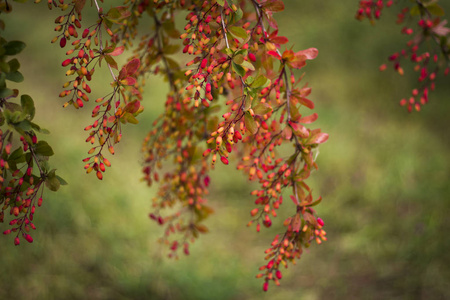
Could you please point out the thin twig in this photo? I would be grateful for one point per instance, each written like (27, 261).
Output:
(224, 29)
(101, 44)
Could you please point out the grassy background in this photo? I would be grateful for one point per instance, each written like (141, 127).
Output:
(383, 175)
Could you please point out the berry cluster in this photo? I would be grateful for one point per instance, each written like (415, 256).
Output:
(372, 9)
(233, 96)
(261, 114)
(24, 167)
(426, 50)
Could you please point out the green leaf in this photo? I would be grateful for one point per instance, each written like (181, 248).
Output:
(129, 118)
(43, 148)
(238, 59)
(229, 52)
(108, 22)
(253, 93)
(38, 128)
(118, 13)
(27, 106)
(171, 49)
(22, 133)
(435, 9)
(248, 65)
(239, 33)
(14, 65)
(315, 202)
(14, 47)
(260, 81)
(52, 181)
(25, 125)
(415, 11)
(43, 163)
(5, 92)
(238, 14)
(171, 30)
(221, 2)
(15, 76)
(13, 107)
(250, 123)
(262, 109)
(247, 103)
(2, 119)
(18, 153)
(242, 52)
(231, 2)
(111, 61)
(61, 180)
(13, 117)
(173, 64)
(2, 80)
(4, 67)
(249, 80)
(238, 69)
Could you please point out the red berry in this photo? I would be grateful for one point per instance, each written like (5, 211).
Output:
(320, 222)
(224, 160)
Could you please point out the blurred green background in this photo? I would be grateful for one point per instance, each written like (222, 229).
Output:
(383, 175)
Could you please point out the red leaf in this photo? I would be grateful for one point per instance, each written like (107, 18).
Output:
(116, 51)
(298, 62)
(310, 53)
(299, 129)
(129, 81)
(287, 132)
(288, 55)
(296, 223)
(319, 138)
(306, 102)
(132, 106)
(273, 5)
(305, 91)
(79, 4)
(273, 34)
(309, 119)
(274, 54)
(122, 73)
(132, 66)
(279, 40)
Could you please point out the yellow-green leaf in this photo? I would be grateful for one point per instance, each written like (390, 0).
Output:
(250, 123)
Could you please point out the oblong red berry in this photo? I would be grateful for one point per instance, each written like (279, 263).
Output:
(62, 42)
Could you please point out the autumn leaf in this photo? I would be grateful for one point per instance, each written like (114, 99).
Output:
(273, 5)
(318, 138)
(132, 66)
(309, 53)
(299, 129)
(128, 81)
(309, 119)
(116, 51)
(250, 123)
(79, 4)
(274, 54)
